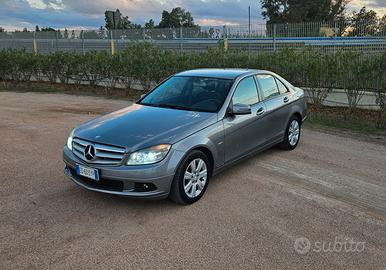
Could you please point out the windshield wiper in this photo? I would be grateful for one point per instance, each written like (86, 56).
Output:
(172, 106)
(145, 104)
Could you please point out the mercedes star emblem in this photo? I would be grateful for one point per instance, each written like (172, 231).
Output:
(89, 152)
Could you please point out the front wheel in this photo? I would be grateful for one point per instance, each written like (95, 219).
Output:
(292, 134)
(191, 178)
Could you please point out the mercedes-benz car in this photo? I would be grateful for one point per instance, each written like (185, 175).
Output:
(184, 131)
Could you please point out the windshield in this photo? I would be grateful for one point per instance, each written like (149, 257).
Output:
(190, 93)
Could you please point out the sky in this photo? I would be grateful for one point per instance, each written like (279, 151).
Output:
(89, 14)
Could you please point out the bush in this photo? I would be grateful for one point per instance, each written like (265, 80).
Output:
(5, 65)
(148, 64)
(55, 66)
(379, 75)
(95, 66)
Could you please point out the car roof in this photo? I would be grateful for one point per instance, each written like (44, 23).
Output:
(220, 73)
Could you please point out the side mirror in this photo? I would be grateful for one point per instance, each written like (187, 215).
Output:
(239, 109)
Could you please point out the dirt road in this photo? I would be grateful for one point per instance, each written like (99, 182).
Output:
(331, 191)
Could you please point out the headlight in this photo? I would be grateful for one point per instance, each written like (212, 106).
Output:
(149, 155)
(69, 140)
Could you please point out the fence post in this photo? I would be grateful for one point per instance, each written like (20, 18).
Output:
(181, 40)
(335, 37)
(34, 44)
(57, 39)
(225, 39)
(249, 42)
(112, 42)
(249, 48)
(274, 37)
(82, 37)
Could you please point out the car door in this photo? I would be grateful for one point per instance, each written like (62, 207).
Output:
(244, 133)
(276, 99)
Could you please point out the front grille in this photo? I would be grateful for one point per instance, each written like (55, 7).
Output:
(104, 154)
(105, 184)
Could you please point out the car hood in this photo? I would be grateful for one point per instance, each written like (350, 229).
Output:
(138, 126)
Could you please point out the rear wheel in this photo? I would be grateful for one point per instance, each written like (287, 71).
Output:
(292, 134)
(191, 178)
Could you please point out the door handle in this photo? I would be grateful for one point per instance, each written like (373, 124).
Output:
(260, 111)
(285, 99)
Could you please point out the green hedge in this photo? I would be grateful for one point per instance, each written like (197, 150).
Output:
(148, 64)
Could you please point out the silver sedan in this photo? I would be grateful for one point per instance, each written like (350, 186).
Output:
(187, 129)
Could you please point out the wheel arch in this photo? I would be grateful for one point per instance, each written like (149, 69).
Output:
(298, 115)
(208, 153)
(205, 150)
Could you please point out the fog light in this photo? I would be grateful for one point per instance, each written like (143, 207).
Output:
(144, 187)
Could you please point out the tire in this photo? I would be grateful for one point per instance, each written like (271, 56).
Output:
(289, 142)
(180, 181)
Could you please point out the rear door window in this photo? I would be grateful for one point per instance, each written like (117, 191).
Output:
(268, 85)
(282, 88)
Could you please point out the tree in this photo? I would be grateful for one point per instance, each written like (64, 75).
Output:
(102, 33)
(274, 11)
(149, 24)
(37, 29)
(365, 22)
(115, 20)
(292, 11)
(134, 26)
(89, 34)
(382, 25)
(112, 19)
(176, 18)
(2, 30)
(65, 34)
(47, 29)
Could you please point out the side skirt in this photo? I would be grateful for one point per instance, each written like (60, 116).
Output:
(246, 156)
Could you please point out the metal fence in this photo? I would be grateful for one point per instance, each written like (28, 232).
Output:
(326, 36)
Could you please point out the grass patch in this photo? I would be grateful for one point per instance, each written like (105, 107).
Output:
(353, 124)
(366, 122)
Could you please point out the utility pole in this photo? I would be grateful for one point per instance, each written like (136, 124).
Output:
(249, 21)
(249, 32)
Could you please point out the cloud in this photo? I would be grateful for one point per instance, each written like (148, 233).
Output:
(28, 13)
(215, 22)
(90, 13)
(40, 4)
(141, 11)
(378, 6)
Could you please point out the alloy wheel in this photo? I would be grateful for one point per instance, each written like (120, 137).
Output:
(293, 133)
(195, 177)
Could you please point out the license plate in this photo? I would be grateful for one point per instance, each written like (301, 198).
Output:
(87, 172)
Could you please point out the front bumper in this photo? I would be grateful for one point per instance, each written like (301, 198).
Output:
(147, 181)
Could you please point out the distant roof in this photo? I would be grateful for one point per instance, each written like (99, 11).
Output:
(221, 73)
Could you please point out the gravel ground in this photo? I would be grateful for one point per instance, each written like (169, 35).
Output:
(320, 206)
